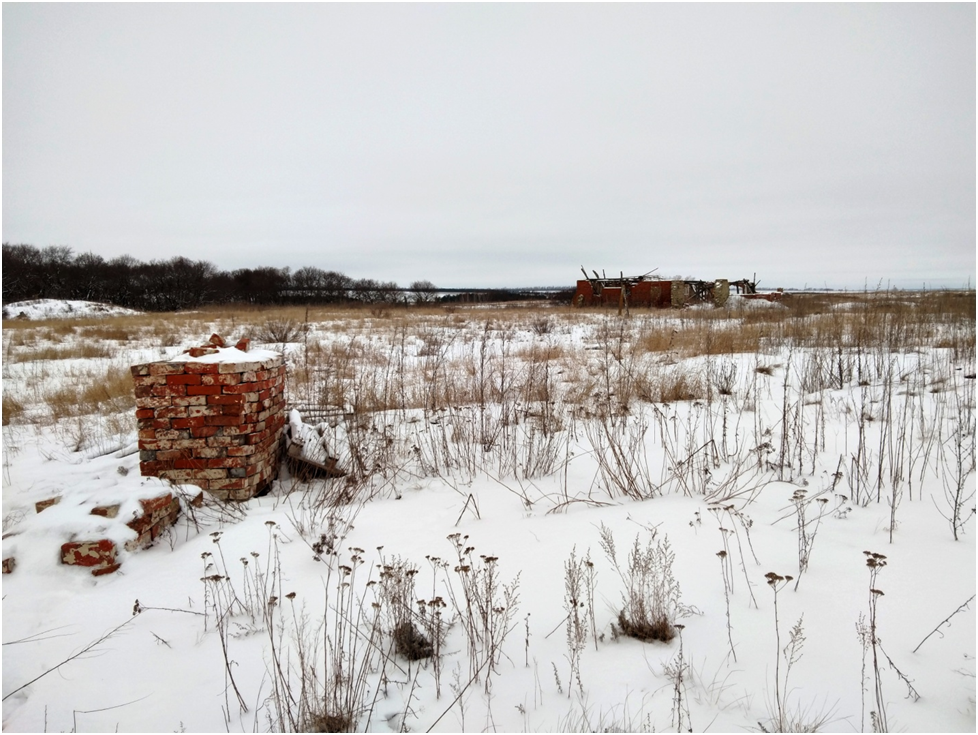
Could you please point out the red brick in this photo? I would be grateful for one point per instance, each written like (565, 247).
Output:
(160, 502)
(184, 379)
(145, 413)
(225, 400)
(205, 431)
(203, 390)
(242, 451)
(225, 421)
(189, 464)
(242, 344)
(99, 571)
(189, 423)
(168, 390)
(240, 388)
(201, 351)
(140, 524)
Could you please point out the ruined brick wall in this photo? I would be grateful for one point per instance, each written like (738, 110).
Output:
(215, 424)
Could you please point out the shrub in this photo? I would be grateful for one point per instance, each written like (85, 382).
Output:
(652, 601)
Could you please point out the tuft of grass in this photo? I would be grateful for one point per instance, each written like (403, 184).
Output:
(652, 601)
(12, 409)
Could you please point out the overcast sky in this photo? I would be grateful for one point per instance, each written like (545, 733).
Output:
(498, 145)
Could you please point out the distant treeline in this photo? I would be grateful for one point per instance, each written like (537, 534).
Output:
(180, 283)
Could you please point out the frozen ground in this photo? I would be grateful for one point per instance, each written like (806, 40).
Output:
(534, 488)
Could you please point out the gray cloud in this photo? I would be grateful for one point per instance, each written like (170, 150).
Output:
(499, 144)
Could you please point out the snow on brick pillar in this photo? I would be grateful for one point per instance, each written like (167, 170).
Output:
(213, 418)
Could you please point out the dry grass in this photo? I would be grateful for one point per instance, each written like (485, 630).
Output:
(110, 392)
(368, 359)
(70, 351)
(12, 409)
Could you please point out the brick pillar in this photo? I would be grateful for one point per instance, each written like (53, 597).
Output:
(214, 424)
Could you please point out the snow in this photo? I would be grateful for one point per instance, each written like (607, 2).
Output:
(61, 309)
(232, 354)
(164, 669)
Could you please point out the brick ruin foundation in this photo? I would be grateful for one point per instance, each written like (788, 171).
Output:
(213, 418)
(214, 424)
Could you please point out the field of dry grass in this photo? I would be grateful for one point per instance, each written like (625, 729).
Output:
(849, 413)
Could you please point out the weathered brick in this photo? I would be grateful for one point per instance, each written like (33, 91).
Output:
(168, 455)
(221, 379)
(205, 431)
(100, 554)
(169, 390)
(212, 452)
(154, 402)
(9, 564)
(231, 429)
(173, 412)
(166, 368)
(190, 401)
(227, 484)
(233, 390)
(242, 451)
(189, 464)
(106, 511)
(203, 390)
(177, 443)
(201, 368)
(149, 380)
(225, 441)
(43, 504)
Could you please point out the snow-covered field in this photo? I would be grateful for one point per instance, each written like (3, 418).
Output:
(494, 460)
(61, 309)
